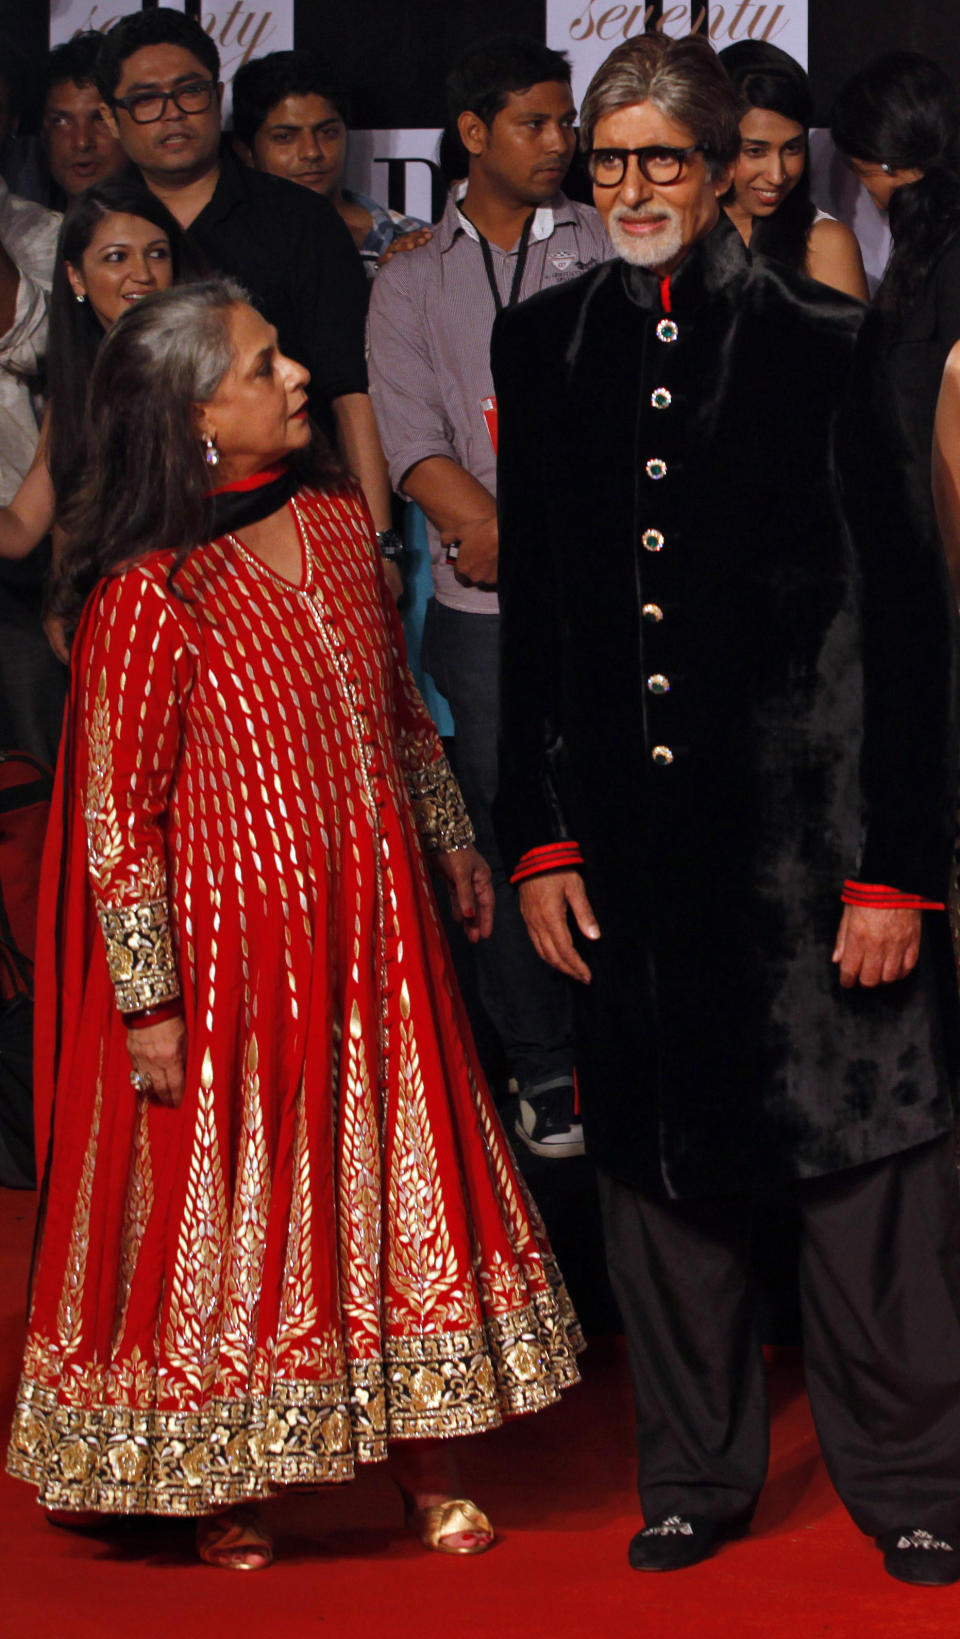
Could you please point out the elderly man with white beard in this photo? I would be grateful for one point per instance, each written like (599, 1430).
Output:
(727, 793)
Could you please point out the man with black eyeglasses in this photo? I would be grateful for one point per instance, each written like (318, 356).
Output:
(158, 74)
(728, 795)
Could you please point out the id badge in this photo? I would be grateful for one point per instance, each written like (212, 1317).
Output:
(488, 408)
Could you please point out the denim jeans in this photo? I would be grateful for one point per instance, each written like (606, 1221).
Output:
(527, 1001)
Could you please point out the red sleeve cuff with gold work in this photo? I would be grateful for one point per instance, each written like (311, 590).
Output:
(552, 856)
(877, 897)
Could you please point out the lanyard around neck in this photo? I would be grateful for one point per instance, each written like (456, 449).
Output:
(518, 271)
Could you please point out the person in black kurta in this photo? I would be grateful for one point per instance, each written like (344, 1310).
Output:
(728, 683)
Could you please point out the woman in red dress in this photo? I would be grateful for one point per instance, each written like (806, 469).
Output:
(299, 1235)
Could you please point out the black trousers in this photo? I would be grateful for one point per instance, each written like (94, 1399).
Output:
(880, 1298)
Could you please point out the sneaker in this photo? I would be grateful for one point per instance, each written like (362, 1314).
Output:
(546, 1122)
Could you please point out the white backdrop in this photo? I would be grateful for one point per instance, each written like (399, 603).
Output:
(589, 29)
(240, 30)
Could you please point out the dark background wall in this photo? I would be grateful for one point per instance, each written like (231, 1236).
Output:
(395, 52)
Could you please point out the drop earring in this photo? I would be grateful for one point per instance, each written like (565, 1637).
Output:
(210, 452)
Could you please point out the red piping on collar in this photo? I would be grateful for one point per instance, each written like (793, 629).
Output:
(665, 293)
(256, 480)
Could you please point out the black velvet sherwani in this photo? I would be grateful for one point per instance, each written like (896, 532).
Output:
(728, 674)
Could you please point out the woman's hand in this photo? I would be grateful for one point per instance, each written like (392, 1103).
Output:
(158, 1053)
(470, 886)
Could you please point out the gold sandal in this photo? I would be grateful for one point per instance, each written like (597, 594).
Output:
(438, 1524)
(234, 1540)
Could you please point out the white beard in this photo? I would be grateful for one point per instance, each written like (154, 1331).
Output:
(662, 247)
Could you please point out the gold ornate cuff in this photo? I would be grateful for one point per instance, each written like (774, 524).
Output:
(438, 808)
(139, 954)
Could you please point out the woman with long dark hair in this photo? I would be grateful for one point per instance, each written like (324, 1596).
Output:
(769, 199)
(117, 244)
(896, 124)
(299, 1234)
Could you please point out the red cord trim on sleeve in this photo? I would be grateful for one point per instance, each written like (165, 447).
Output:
(154, 1015)
(876, 896)
(552, 856)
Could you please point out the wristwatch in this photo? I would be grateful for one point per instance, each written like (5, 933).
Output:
(390, 542)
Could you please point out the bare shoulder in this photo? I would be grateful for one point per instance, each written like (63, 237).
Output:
(833, 258)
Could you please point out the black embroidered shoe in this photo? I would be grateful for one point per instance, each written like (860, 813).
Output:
(675, 1541)
(547, 1122)
(922, 1557)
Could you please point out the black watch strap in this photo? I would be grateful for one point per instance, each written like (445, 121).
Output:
(390, 542)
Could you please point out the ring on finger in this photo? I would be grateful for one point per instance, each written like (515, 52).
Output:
(140, 1080)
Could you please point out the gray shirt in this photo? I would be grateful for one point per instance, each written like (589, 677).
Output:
(431, 314)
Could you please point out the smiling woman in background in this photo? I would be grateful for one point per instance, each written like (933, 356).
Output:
(116, 245)
(769, 202)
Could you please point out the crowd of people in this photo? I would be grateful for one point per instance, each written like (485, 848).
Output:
(692, 509)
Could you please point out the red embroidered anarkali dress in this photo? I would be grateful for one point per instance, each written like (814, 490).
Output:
(327, 1245)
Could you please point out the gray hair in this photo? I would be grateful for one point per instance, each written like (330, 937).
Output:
(684, 79)
(181, 337)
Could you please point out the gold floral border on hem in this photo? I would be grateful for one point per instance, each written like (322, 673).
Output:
(120, 1459)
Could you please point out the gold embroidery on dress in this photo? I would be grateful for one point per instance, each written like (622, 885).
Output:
(248, 1231)
(106, 846)
(139, 954)
(69, 1315)
(298, 1309)
(133, 1457)
(196, 1284)
(104, 836)
(360, 1186)
(438, 807)
(136, 1212)
(422, 1272)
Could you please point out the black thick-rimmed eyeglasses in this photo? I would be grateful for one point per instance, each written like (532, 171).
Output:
(146, 106)
(660, 165)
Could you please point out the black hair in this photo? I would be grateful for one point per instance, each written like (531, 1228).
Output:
(75, 330)
(483, 77)
(901, 111)
(145, 485)
(74, 60)
(160, 26)
(763, 76)
(264, 81)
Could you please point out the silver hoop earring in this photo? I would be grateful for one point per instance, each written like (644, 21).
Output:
(210, 452)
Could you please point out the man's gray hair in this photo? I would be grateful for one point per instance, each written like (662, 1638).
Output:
(684, 79)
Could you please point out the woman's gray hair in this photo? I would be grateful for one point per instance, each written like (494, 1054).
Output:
(684, 79)
(181, 337)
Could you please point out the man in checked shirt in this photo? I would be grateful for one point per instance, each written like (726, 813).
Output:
(507, 233)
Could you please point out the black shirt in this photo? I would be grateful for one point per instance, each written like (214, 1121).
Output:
(295, 256)
(919, 351)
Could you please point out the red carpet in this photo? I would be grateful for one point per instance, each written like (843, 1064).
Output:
(559, 1488)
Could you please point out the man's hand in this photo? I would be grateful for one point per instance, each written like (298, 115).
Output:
(158, 1053)
(405, 241)
(876, 947)
(476, 563)
(544, 902)
(393, 578)
(470, 886)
